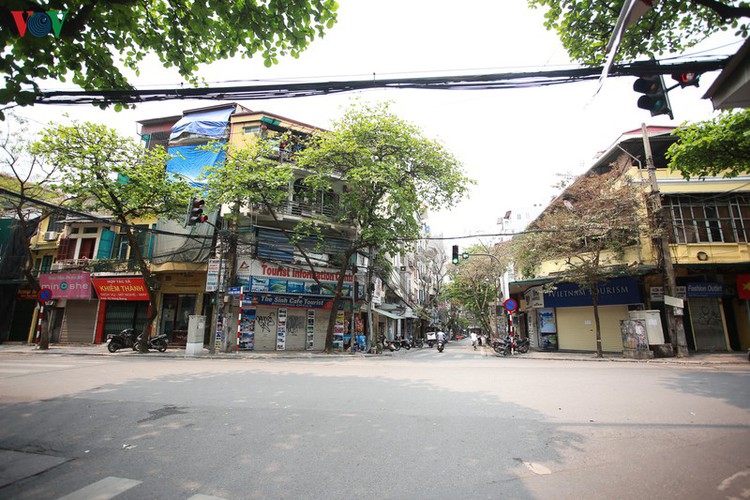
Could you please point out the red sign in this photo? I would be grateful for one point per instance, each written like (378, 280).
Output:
(45, 294)
(120, 288)
(510, 305)
(743, 286)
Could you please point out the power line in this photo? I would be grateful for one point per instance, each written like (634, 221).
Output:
(491, 81)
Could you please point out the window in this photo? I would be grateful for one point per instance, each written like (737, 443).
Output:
(709, 219)
(46, 264)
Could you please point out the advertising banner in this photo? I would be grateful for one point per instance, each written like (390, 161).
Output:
(67, 285)
(120, 288)
(273, 278)
(614, 292)
(260, 299)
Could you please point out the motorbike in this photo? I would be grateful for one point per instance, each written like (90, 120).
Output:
(124, 339)
(440, 345)
(405, 343)
(159, 343)
(385, 343)
(419, 342)
(510, 344)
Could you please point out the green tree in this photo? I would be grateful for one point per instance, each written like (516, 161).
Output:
(716, 147)
(26, 181)
(95, 36)
(476, 284)
(585, 233)
(103, 172)
(393, 174)
(585, 26)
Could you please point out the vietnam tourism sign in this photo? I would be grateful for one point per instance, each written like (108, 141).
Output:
(67, 285)
(617, 291)
(113, 288)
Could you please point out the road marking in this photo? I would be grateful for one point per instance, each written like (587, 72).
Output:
(204, 497)
(109, 487)
(538, 469)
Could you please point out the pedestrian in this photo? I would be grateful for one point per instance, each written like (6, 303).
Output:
(474, 340)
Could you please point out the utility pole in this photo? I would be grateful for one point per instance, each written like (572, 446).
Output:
(675, 326)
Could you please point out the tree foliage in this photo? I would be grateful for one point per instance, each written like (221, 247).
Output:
(95, 36)
(716, 147)
(392, 175)
(105, 173)
(585, 233)
(585, 26)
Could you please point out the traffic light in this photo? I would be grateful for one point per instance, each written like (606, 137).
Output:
(195, 212)
(654, 98)
(686, 79)
(455, 254)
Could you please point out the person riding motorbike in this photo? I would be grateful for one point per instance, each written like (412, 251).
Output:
(474, 340)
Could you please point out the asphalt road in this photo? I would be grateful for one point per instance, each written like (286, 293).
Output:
(417, 425)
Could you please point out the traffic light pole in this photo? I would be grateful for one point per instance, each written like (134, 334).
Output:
(675, 326)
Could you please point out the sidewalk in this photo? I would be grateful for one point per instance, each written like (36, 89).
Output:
(723, 358)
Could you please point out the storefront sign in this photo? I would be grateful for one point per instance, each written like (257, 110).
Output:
(67, 285)
(534, 297)
(657, 294)
(614, 292)
(706, 289)
(743, 286)
(120, 288)
(251, 269)
(262, 299)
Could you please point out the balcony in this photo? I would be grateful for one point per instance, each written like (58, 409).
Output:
(301, 209)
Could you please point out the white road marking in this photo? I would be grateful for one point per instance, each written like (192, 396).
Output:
(538, 469)
(107, 488)
(204, 497)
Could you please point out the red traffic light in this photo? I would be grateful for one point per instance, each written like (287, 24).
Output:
(687, 79)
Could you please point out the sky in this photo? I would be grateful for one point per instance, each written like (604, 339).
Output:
(512, 143)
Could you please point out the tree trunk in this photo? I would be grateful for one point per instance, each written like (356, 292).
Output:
(595, 301)
(337, 300)
(150, 281)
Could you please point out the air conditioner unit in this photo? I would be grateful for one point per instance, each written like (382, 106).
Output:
(50, 236)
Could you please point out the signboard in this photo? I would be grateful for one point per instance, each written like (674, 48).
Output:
(234, 290)
(705, 289)
(213, 274)
(120, 288)
(657, 294)
(67, 285)
(674, 301)
(534, 297)
(613, 292)
(264, 272)
(262, 299)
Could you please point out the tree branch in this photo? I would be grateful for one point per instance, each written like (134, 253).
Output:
(723, 10)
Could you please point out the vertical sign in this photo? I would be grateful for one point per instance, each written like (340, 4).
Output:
(281, 331)
(247, 328)
(338, 331)
(212, 275)
(310, 329)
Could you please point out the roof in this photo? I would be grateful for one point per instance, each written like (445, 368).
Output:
(731, 89)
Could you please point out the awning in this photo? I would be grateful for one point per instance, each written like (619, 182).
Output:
(387, 314)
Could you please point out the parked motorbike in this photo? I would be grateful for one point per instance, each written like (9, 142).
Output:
(159, 343)
(419, 342)
(509, 344)
(440, 345)
(385, 343)
(124, 339)
(405, 343)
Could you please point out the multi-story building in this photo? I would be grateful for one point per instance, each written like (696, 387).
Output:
(709, 241)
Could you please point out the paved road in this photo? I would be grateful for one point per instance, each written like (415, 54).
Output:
(421, 424)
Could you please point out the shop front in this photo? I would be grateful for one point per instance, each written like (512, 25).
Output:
(564, 317)
(72, 307)
(182, 295)
(123, 303)
(284, 308)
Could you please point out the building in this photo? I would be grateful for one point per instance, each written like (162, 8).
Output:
(709, 245)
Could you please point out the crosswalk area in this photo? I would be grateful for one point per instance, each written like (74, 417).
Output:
(110, 487)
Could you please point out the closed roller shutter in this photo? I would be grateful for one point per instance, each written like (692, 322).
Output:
(266, 319)
(296, 329)
(576, 330)
(79, 323)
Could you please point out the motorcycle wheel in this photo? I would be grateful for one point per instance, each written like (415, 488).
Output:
(506, 351)
(523, 349)
(440, 348)
(396, 347)
(137, 346)
(113, 346)
(161, 345)
(407, 347)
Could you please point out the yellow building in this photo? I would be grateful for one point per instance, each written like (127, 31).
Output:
(709, 242)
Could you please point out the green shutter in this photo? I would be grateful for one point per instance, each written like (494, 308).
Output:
(105, 244)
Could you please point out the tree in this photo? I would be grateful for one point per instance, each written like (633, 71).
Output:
(585, 26)
(103, 172)
(27, 181)
(475, 283)
(586, 233)
(84, 38)
(720, 146)
(393, 174)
